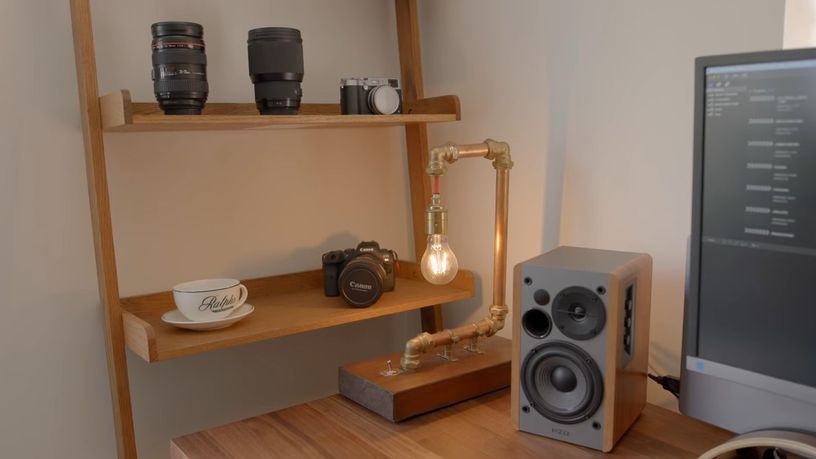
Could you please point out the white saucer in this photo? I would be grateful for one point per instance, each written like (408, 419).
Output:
(175, 317)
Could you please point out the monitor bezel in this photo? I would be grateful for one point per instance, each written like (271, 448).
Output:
(692, 305)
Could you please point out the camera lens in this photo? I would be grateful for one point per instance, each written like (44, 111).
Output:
(384, 100)
(276, 69)
(179, 67)
(361, 282)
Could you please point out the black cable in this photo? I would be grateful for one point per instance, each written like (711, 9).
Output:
(669, 383)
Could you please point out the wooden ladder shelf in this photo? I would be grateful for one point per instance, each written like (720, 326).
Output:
(286, 304)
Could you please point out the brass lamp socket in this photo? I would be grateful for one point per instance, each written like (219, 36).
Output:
(436, 217)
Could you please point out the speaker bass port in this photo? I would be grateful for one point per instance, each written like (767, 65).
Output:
(536, 323)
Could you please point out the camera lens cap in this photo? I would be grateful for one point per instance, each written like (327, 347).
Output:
(384, 100)
(360, 285)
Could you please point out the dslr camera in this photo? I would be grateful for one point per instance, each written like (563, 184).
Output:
(370, 96)
(360, 275)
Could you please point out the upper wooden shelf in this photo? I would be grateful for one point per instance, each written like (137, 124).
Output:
(120, 114)
(284, 305)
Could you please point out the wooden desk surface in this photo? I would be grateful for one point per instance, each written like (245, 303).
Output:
(479, 428)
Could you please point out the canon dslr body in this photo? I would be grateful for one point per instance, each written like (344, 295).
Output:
(179, 67)
(360, 275)
(276, 68)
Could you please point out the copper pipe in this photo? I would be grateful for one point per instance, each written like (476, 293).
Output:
(441, 155)
(476, 149)
(499, 153)
(500, 244)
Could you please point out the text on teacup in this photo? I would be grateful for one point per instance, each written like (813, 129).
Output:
(215, 305)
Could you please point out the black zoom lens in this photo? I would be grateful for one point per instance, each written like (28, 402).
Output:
(276, 69)
(179, 67)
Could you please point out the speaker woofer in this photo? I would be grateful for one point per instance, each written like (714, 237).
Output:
(579, 313)
(562, 382)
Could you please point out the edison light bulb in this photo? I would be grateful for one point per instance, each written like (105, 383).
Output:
(439, 265)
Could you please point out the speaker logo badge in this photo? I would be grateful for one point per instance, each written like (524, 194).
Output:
(561, 432)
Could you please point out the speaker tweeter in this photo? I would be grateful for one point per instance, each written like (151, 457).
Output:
(579, 313)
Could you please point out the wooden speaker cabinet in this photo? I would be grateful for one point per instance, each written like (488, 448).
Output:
(580, 344)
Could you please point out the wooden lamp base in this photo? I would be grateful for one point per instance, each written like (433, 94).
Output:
(436, 384)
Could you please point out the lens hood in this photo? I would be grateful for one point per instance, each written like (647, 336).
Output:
(165, 28)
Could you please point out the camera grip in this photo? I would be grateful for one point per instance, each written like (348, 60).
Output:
(330, 273)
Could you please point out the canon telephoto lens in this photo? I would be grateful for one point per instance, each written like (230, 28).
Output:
(276, 69)
(179, 67)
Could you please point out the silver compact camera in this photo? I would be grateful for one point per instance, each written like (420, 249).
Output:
(370, 96)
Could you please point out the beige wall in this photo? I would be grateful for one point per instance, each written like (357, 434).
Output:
(800, 23)
(185, 205)
(595, 99)
(248, 204)
(488, 54)
(628, 141)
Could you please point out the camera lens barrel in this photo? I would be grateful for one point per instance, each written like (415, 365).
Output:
(361, 282)
(179, 67)
(384, 100)
(276, 69)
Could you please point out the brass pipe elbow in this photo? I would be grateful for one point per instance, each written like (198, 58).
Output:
(439, 157)
(499, 153)
(497, 315)
(413, 349)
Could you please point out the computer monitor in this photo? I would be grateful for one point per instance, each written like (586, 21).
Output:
(749, 339)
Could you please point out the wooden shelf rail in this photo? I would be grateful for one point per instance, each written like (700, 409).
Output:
(120, 114)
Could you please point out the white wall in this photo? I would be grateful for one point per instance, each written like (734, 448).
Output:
(594, 97)
(185, 205)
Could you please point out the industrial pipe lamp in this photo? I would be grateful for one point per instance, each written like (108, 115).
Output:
(439, 265)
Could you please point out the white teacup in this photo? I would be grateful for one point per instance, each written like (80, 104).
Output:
(209, 299)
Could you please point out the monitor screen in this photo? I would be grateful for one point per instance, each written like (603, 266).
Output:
(756, 272)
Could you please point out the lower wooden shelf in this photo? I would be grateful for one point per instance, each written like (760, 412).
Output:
(284, 305)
